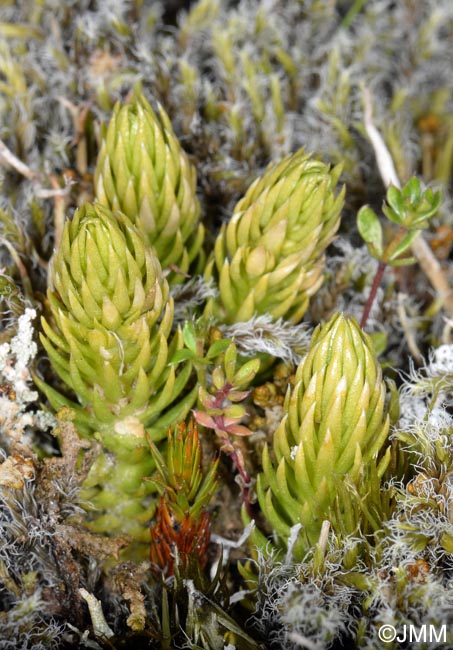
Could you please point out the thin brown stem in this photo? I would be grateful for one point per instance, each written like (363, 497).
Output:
(376, 283)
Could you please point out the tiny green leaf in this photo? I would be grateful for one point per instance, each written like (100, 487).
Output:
(245, 374)
(370, 230)
(396, 202)
(412, 191)
(217, 348)
(403, 261)
(181, 355)
(230, 362)
(235, 411)
(404, 244)
(392, 215)
(380, 340)
(218, 378)
(446, 542)
(238, 395)
(189, 336)
(394, 402)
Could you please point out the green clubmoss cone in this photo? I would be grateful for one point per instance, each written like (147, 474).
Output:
(109, 341)
(143, 171)
(334, 427)
(269, 257)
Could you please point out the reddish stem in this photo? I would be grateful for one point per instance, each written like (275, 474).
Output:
(369, 303)
(245, 486)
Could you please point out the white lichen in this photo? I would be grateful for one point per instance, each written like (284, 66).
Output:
(16, 412)
(16, 356)
(262, 334)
